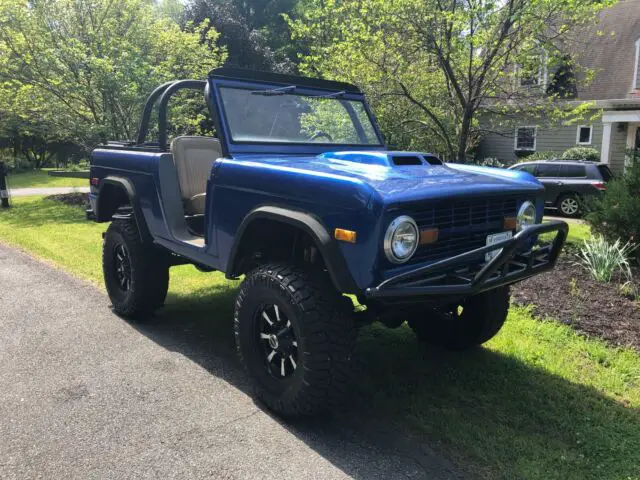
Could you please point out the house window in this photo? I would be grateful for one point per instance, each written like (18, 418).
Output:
(533, 71)
(525, 139)
(585, 134)
(528, 78)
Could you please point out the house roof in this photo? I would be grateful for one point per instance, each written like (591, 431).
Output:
(611, 54)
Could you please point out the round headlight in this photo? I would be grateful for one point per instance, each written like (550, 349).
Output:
(526, 215)
(401, 239)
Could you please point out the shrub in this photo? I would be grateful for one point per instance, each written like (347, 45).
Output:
(603, 259)
(582, 153)
(616, 213)
(534, 157)
(491, 162)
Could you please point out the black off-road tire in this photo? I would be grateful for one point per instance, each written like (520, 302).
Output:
(321, 326)
(148, 267)
(569, 205)
(481, 319)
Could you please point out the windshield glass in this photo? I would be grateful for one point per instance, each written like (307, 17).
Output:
(282, 116)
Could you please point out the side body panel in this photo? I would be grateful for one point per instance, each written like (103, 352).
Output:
(241, 186)
(155, 181)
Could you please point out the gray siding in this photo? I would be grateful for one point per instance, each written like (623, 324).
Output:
(618, 148)
(637, 85)
(554, 139)
(548, 139)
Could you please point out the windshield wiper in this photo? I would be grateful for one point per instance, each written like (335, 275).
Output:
(275, 91)
(331, 95)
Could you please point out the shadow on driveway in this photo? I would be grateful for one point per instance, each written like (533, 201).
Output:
(493, 415)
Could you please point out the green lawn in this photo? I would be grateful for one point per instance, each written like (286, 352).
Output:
(539, 401)
(40, 178)
(578, 233)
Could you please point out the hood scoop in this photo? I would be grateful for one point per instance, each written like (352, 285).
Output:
(406, 160)
(383, 158)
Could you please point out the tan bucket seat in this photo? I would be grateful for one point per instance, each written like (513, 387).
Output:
(193, 158)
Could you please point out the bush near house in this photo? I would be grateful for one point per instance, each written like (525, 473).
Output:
(616, 214)
(537, 156)
(491, 162)
(581, 153)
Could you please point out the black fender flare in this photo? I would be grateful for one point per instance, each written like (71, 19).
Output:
(328, 247)
(127, 186)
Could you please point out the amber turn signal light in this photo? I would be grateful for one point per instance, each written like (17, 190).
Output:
(429, 235)
(510, 223)
(345, 235)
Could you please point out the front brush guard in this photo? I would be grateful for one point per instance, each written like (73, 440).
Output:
(468, 274)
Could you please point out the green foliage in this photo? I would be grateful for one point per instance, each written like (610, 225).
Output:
(539, 155)
(603, 259)
(581, 153)
(173, 9)
(80, 70)
(428, 66)
(616, 213)
(491, 162)
(253, 31)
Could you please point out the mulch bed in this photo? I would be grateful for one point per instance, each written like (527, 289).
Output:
(570, 295)
(73, 199)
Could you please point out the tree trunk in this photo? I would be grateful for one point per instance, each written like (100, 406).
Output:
(463, 136)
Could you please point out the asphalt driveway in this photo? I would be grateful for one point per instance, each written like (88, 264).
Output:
(84, 394)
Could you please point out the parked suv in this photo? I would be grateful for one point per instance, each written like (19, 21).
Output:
(567, 182)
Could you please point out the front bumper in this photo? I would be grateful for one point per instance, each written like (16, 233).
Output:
(468, 274)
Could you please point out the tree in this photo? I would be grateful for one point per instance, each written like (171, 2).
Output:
(83, 68)
(429, 66)
(173, 9)
(253, 31)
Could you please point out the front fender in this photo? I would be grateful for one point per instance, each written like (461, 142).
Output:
(328, 247)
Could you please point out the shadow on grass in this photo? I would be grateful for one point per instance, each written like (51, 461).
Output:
(491, 413)
(38, 212)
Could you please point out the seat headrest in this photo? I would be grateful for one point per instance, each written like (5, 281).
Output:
(195, 143)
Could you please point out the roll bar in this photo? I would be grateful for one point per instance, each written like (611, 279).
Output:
(164, 93)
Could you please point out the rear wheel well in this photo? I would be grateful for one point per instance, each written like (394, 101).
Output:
(117, 200)
(268, 240)
(111, 198)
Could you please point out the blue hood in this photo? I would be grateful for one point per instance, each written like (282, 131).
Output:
(397, 184)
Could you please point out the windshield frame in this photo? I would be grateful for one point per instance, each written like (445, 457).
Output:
(242, 146)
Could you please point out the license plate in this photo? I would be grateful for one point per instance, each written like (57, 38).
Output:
(492, 240)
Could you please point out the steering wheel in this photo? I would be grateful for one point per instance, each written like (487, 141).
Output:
(320, 133)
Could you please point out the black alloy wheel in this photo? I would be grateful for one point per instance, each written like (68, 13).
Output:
(122, 265)
(278, 341)
(466, 324)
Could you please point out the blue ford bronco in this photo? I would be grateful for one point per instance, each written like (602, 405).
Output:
(299, 194)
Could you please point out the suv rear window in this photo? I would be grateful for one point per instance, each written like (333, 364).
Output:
(573, 171)
(529, 168)
(605, 172)
(548, 170)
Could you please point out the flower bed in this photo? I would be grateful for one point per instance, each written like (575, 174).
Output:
(570, 295)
